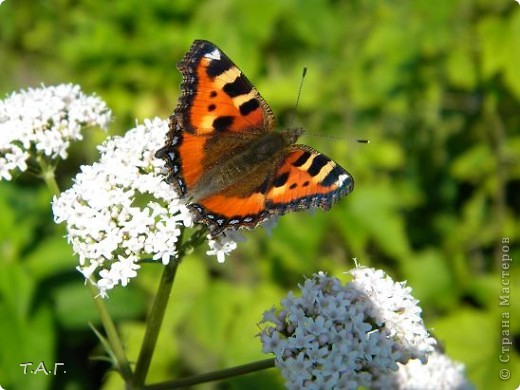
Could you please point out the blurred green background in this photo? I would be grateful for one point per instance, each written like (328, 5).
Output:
(435, 86)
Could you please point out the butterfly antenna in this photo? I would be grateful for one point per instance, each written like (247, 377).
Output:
(304, 73)
(358, 140)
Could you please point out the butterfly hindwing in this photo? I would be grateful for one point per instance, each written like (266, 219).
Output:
(239, 205)
(305, 179)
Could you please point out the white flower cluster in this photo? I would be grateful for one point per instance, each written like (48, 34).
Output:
(394, 308)
(120, 209)
(345, 336)
(45, 120)
(439, 373)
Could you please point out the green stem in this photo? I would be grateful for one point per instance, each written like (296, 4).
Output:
(155, 318)
(48, 175)
(116, 345)
(214, 376)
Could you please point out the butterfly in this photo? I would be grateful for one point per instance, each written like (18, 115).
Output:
(225, 158)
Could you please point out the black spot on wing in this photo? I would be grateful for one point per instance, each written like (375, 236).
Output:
(293, 186)
(249, 106)
(279, 181)
(222, 123)
(213, 94)
(238, 87)
(217, 67)
(211, 107)
(302, 159)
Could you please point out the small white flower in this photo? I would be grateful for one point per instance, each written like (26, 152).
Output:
(45, 120)
(121, 210)
(345, 336)
(224, 244)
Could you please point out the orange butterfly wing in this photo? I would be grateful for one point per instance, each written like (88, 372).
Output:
(217, 97)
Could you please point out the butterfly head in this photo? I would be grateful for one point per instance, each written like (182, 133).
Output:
(291, 135)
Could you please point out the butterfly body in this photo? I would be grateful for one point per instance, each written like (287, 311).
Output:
(224, 157)
(238, 168)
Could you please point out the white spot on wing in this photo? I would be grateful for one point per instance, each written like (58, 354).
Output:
(341, 179)
(214, 55)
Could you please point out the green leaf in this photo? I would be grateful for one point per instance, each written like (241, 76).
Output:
(75, 309)
(474, 164)
(16, 288)
(431, 279)
(375, 210)
(461, 68)
(50, 257)
(492, 32)
(511, 45)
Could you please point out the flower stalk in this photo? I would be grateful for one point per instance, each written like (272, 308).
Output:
(116, 346)
(47, 175)
(155, 320)
(214, 376)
